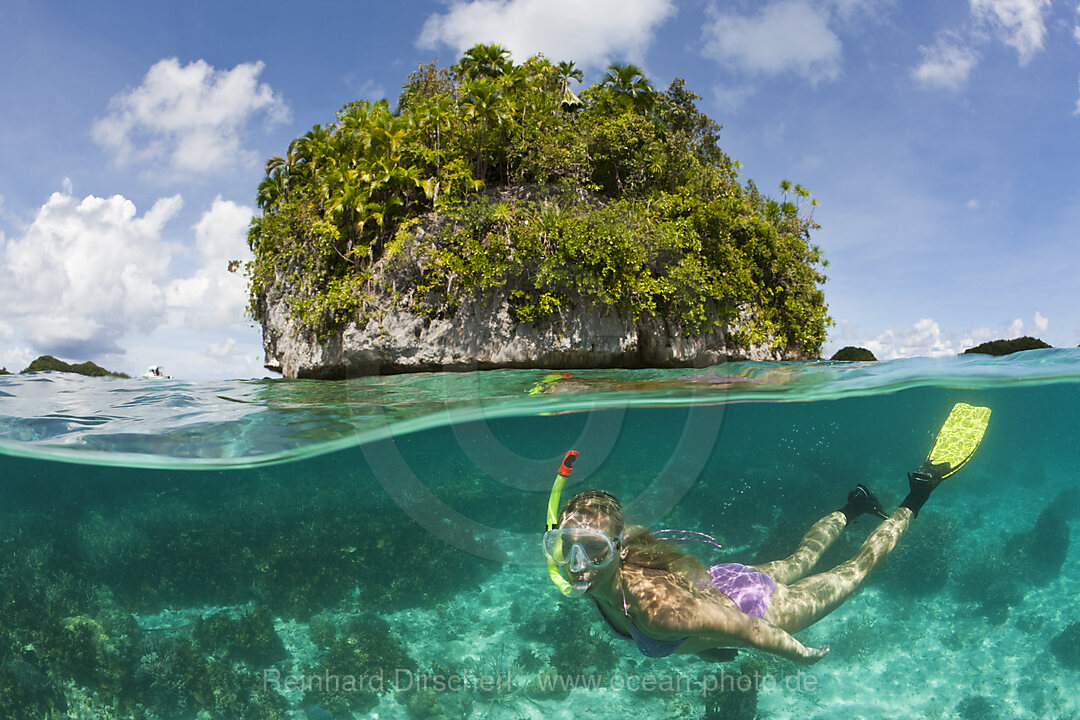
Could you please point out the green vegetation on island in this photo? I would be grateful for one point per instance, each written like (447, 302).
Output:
(1006, 347)
(852, 353)
(491, 176)
(4, 371)
(48, 362)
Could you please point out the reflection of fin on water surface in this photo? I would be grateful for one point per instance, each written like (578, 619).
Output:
(720, 379)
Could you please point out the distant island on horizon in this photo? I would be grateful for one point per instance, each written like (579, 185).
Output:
(48, 362)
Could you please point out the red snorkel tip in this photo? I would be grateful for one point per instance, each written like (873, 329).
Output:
(568, 463)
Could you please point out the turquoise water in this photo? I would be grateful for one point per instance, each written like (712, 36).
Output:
(242, 549)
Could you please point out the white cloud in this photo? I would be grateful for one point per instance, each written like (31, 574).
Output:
(221, 350)
(6, 332)
(921, 340)
(972, 204)
(1019, 23)
(15, 359)
(591, 34)
(945, 65)
(87, 271)
(855, 8)
(214, 297)
(788, 36)
(731, 98)
(926, 339)
(368, 89)
(190, 118)
(1041, 323)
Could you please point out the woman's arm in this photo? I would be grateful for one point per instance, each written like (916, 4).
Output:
(708, 618)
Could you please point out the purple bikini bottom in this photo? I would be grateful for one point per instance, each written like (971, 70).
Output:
(749, 589)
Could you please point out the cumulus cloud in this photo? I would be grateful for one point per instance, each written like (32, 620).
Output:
(921, 340)
(945, 65)
(788, 36)
(926, 339)
(213, 297)
(188, 118)
(221, 350)
(591, 34)
(1019, 23)
(15, 359)
(86, 271)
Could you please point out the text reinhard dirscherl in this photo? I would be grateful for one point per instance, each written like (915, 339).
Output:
(406, 680)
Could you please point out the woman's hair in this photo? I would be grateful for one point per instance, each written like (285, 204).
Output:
(638, 547)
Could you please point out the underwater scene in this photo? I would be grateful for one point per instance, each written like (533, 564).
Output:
(371, 548)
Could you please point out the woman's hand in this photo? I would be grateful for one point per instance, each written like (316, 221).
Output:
(813, 655)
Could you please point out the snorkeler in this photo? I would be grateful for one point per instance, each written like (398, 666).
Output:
(668, 602)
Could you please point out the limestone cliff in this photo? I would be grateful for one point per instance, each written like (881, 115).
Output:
(482, 335)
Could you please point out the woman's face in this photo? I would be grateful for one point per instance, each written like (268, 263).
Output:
(590, 552)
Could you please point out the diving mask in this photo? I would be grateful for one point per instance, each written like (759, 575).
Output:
(579, 549)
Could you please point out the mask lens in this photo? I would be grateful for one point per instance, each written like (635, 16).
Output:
(579, 548)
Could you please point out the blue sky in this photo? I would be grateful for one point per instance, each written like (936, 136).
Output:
(940, 139)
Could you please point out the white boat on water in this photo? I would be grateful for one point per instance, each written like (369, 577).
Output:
(154, 373)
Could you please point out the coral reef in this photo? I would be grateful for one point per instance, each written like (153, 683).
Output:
(249, 638)
(1066, 646)
(577, 645)
(26, 692)
(991, 584)
(998, 581)
(977, 707)
(735, 696)
(365, 660)
(1040, 552)
(582, 651)
(920, 564)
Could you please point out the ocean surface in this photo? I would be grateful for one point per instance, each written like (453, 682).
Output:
(371, 548)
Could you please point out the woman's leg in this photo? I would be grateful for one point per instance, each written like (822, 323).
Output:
(798, 606)
(816, 541)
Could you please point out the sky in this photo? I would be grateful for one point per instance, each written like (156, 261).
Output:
(940, 139)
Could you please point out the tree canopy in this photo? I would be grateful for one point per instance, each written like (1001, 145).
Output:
(1007, 347)
(48, 362)
(489, 174)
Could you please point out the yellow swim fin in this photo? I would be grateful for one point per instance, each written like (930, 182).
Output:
(956, 442)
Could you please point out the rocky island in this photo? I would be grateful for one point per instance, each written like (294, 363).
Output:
(495, 218)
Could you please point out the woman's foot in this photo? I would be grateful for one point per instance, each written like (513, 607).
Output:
(861, 501)
(920, 484)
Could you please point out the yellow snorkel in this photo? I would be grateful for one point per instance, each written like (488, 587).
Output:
(553, 519)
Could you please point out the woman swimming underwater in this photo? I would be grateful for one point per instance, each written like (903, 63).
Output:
(668, 602)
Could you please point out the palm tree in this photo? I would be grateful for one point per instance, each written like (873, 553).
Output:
(567, 99)
(273, 190)
(484, 105)
(432, 116)
(630, 86)
(486, 61)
